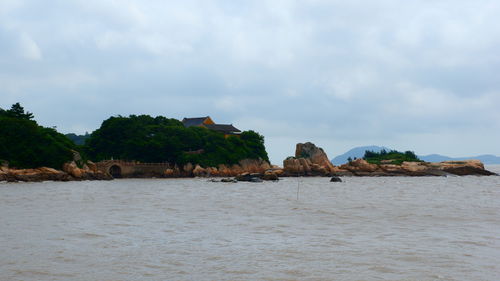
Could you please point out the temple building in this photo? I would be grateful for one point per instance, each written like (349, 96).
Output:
(207, 122)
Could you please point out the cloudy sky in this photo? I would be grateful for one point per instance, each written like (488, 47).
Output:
(416, 75)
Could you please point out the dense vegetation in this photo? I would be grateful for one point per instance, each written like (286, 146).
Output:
(390, 157)
(25, 144)
(148, 139)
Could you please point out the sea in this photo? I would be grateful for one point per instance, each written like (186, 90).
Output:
(379, 228)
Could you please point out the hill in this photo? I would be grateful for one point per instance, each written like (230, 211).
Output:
(78, 139)
(159, 139)
(357, 152)
(487, 159)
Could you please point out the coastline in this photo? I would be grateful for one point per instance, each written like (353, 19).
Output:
(256, 171)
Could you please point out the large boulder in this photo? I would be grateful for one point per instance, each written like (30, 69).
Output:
(88, 171)
(188, 169)
(35, 175)
(463, 168)
(249, 177)
(198, 171)
(254, 165)
(72, 169)
(315, 154)
(309, 160)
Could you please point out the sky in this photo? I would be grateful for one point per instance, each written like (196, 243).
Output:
(411, 75)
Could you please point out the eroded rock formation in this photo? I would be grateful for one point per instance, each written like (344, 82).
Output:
(309, 160)
(70, 172)
(255, 166)
(361, 167)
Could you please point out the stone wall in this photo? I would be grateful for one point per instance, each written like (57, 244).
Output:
(132, 169)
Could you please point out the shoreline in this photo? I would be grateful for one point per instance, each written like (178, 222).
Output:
(27, 175)
(254, 170)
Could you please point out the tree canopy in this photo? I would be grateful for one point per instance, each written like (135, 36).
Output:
(25, 144)
(160, 139)
(17, 111)
(393, 156)
(78, 139)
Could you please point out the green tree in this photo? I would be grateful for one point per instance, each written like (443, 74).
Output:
(25, 144)
(393, 156)
(17, 111)
(161, 139)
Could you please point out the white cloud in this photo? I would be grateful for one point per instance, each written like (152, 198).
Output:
(336, 72)
(29, 48)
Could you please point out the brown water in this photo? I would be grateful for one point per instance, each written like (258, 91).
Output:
(436, 228)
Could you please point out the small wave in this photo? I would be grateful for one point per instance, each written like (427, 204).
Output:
(475, 243)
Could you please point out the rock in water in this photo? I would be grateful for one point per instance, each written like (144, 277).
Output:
(335, 179)
(228, 180)
(250, 177)
(309, 160)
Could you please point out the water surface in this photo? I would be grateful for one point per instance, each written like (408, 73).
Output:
(431, 228)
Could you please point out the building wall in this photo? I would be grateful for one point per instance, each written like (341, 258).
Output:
(134, 169)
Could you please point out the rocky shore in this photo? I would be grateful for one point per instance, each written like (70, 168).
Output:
(360, 167)
(70, 172)
(252, 166)
(310, 160)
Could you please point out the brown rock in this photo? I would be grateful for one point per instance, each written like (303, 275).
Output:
(309, 160)
(92, 166)
(270, 175)
(360, 167)
(254, 165)
(169, 173)
(188, 168)
(72, 169)
(212, 172)
(3, 175)
(463, 168)
(35, 175)
(198, 171)
(315, 154)
(292, 166)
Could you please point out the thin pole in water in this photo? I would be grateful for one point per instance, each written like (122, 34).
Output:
(298, 187)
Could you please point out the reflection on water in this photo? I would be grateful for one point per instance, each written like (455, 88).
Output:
(436, 228)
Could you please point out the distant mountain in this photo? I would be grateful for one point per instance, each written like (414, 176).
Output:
(435, 158)
(487, 159)
(357, 152)
(78, 139)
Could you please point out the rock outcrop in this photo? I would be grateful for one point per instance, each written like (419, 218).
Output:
(256, 166)
(361, 167)
(309, 160)
(70, 172)
(87, 172)
(31, 175)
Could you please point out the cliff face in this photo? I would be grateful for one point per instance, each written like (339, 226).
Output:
(309, 160)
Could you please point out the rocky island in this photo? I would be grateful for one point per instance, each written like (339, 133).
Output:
(310, 160)
(168, 148)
